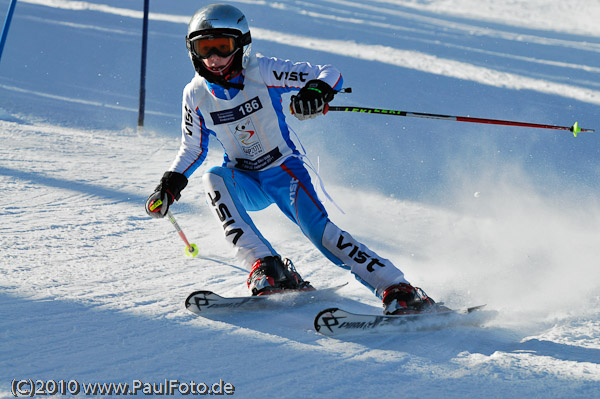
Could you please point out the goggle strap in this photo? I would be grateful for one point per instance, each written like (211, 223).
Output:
(245, 39)
(216, 32)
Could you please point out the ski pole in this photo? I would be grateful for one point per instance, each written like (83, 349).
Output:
(575, 128)
(6, 27)
(190, 249)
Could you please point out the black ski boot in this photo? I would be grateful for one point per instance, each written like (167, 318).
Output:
(271, 275)
(405, 299)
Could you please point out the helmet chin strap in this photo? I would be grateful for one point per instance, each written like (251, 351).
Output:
(222, 70)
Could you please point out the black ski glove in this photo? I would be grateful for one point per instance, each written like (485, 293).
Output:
(167, 191)
(311, 100)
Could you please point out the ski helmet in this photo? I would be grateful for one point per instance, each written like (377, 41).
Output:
(219, 21)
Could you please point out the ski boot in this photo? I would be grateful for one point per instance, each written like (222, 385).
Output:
(271, 275)
(403, 298)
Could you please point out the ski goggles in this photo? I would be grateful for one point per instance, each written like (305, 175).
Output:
(223, 46)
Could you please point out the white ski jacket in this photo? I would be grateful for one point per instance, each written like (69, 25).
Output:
(249, 123)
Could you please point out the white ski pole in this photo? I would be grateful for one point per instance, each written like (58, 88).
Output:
(190, 249)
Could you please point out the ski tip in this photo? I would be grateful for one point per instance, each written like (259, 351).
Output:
(318, 326)
(189, 301)
(474, 308)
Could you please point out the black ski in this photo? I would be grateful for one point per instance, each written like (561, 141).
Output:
(205, 302)
(335, 321)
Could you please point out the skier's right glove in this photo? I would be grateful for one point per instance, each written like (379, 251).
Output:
(167, 191)
(311, 100)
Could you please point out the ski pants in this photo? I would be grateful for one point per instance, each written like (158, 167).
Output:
(232, 193)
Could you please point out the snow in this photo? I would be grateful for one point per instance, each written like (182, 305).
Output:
(92, 289)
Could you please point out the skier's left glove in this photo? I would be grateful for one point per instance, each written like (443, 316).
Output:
(311, 100)
(167, 191)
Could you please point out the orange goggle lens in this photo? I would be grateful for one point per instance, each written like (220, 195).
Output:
(222, 46)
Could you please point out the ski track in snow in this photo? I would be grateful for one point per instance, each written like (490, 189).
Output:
(92, 289)
(83, 265)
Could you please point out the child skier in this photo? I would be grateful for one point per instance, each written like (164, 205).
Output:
(236, 97)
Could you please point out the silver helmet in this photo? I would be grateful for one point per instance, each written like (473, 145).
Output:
(216, 20)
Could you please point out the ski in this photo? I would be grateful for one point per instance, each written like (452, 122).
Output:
(204, 302)
(335, 321)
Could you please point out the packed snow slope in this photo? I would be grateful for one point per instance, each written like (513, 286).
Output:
(92, 290)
